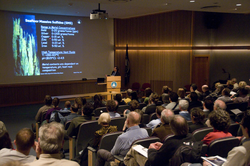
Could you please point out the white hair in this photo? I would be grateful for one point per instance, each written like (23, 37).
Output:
(183, 104)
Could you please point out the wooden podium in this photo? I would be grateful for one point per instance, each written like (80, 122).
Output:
(113, 85)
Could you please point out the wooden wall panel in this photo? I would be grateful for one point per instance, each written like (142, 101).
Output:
(154, 44)
(19, 94)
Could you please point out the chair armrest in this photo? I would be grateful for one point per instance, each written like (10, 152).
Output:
(72, 145)
(204, 150)
(93, 150)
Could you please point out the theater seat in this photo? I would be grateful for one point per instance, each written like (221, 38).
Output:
(199, 134)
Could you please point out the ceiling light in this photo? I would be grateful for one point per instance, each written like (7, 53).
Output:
(192, 1)
(238, 4)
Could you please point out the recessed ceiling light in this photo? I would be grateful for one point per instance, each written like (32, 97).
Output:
(235, 9)
(238, 4)
(192, 1)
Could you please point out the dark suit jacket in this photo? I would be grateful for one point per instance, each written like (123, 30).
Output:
(116, 74)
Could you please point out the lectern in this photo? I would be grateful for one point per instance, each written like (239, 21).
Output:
(113, 85)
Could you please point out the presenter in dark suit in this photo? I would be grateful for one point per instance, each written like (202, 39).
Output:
(115, 72)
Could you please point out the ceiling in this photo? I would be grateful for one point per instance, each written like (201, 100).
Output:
(122, 8)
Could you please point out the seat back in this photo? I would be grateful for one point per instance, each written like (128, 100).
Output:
(145, 85)
(141, 105)
(146, 141)
(222, 146)
(67, 124)
(99, 111)
(199, 134)
(233, 129)
(241, 106)
(150, 109)
(121, 108)
(119, 122)
(108, 140)
(136, 86)
(149, 130)
(85, 134)
(145, 119)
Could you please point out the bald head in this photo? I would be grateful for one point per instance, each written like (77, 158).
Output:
(219, 104)
(166, 116)
(133, 119)
(179, 125)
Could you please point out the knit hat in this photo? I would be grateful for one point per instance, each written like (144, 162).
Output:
(3, 129)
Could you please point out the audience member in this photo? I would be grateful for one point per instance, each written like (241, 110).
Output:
(220, 121)
(217, 92)
(127, 99)
(141, 124)
(118, 98)
(205, 91)
(234, 81)
(165, 92)
(165, 99)
(153, 123)
(111, 108)
(243, 96)
(134, 96)
(197, 118)
(173, 98)
(161, 153)
(5, 141)
(76, 122)
(67, 106)
(239, 155)
(73, 114)
(124, 141)
(193, 88)
(42, 111)
(225, 95)
(208, 105)
(78, 103)
(55, 103)
(163, 129)
(24, 142)
(50, 142)
(148, 92)
(181, 93)
(194, 102)
(98, 102)
(183, 106)
(150, 108)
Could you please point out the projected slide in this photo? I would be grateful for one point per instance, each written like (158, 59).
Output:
(44, 47)
(49, 48)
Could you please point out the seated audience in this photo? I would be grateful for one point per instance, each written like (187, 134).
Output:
(133, 106)
(161, 153)
(141, 124)
(197, 118)
(124, 141)
(76, 122)
(165, 99)
(79, 104)
(153, 123)
(73, 114)
(236, 85)
(193, 88)
(243, 96)
(225, 95)
(5, 141)
(150, 108)
(173, 98)
(205, 91)
(55, 103)
(183, 106)
(194, 102)
(49, 144)
(42, 111)
(24, 142)
(127, 99)
(111, 108)
(220, 121)
(240, 155)
(181, 93)
(118, 98)
(217, 92)
(208, 105)
(98, 102)
(134, 96)
(165, 92)
(163, 129)
(66, 109)
(148, 92)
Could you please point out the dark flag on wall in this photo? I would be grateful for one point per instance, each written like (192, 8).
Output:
(127, 67)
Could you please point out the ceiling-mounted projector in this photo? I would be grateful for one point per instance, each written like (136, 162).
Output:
(98, 14)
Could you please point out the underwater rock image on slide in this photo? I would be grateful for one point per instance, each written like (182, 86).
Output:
(24, 46)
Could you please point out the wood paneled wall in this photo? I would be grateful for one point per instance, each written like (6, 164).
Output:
(35, 92)
(155, 45)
